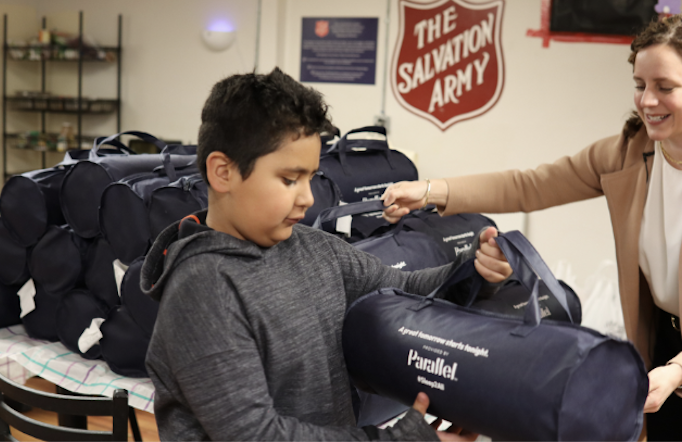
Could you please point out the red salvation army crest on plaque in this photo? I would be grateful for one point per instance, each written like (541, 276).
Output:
(321, 28)
(447, 65)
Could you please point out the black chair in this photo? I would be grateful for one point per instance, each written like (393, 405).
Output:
(76, 406)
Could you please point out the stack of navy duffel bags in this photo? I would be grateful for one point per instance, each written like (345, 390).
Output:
(73, 238)
(78, 233)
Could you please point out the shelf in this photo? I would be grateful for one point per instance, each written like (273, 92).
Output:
(61, 53)
(62, 105)
(45, 104)
(42, 142)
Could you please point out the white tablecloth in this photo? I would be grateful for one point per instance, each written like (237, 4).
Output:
(22, 357)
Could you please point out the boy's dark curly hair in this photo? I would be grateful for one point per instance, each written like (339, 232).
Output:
(247, 116)
(667, 30)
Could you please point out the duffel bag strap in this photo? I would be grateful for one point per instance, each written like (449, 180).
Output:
(528, 268)
(141, 135)
(331, 213)
(343, 146)
(522, 253)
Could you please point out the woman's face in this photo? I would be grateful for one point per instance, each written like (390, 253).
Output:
(658, 92)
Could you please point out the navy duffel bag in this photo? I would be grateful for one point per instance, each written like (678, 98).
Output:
(172, 202)
(84, 183)
(14, 259)
(364, 166)
(30, 202)
(506, 377)
(123, 210)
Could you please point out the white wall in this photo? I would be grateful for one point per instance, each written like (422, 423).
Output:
(555, 100)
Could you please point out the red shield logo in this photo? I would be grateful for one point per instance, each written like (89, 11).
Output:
(321, 28)
(448, 65)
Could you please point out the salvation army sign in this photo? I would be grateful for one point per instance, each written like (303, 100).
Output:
(447, 65)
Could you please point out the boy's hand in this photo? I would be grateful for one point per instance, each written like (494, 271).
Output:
(490, 261)
(421, 404)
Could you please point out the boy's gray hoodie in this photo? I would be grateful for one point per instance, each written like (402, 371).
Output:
(247, 344)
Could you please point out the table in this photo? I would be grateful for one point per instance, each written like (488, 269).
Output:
(22, 357)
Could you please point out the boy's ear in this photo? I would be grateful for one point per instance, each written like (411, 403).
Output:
(221, 172)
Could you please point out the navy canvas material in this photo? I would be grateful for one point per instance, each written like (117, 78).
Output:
(30, 202)
(85, 182)
(453, 233)
(491, 373)
(9, 305)
(172, 202)
(99, 273)
(123, 211)
(41, 323)
(57, 260)
(76, 311)
(14, 259)
(124, 344)
(142, 308)
(363, 168)
(511, 298)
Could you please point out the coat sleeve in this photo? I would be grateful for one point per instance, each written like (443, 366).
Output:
(567, 180)
(209, 373)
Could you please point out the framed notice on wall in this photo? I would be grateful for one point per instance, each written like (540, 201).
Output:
(339, 50)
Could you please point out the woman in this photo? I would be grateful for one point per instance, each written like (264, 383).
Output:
(640, 173)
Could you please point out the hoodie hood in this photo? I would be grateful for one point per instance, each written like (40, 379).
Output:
(182, 240)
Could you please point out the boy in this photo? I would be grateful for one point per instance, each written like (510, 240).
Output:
(247, 344)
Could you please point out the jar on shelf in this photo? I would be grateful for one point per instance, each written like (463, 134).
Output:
(66, 138)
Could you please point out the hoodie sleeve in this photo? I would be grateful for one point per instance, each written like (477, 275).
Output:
(209, 374)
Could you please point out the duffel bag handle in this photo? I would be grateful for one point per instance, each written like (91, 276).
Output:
(528, 267)
(163, 147)
(344, 145)
(113, 138)
(331, 213)
(534, 266)
(100, 141)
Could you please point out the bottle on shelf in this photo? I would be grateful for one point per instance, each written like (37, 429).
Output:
(66, 138)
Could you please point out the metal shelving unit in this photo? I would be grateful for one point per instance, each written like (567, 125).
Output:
(44, 103)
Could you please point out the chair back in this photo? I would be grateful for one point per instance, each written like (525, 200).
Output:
(117, 407)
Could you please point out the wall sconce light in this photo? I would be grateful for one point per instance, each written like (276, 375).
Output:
(218, 40)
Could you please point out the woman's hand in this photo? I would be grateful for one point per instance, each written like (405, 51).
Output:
(403, 197)
(662, 382)
(421, 404)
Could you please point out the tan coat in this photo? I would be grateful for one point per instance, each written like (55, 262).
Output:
(614, 167)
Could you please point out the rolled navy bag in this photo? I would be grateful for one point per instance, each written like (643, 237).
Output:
(30, 202)
(10, 310)
(99, 276)
(56, 262)
(123, 211)
(84, 183)
(40, 320)
(142, 308)
(172, 202)
(13, 259)
(76, 312)
(508, 378)
(124, 344)
(363, 166)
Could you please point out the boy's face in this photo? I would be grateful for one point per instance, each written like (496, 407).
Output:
(277, 193)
